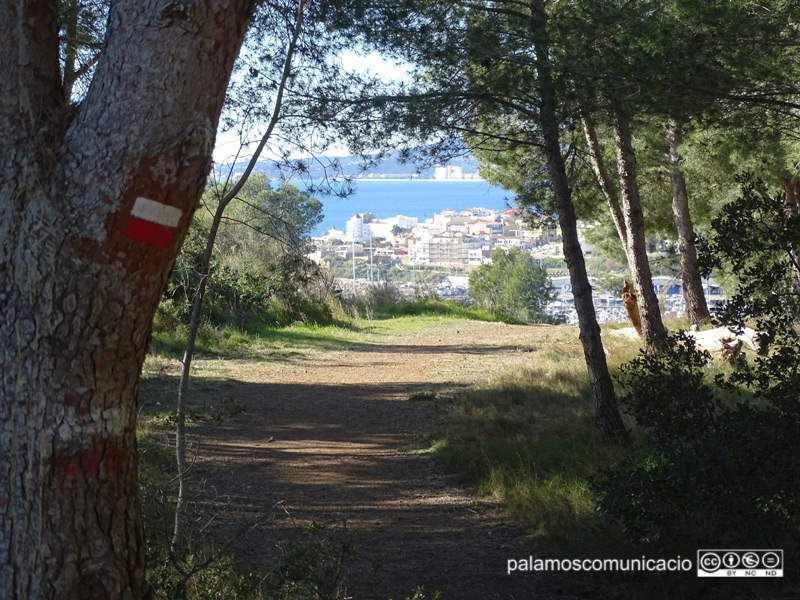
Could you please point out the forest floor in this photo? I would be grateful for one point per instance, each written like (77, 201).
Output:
(339, 434)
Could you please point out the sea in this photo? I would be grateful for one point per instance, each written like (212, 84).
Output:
(409, 198)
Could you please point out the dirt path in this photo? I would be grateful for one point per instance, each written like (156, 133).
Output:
(331, 436)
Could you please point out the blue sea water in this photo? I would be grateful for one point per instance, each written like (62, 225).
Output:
(419, 199)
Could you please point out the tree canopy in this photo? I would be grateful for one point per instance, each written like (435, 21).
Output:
(259, 266)
(512, 286)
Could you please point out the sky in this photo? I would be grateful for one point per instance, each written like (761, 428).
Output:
(227, 143)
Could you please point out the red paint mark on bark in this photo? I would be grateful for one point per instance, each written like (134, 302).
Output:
(91, 464)
(149, 233)
(140, 243)
(112, 462)
(101, 462)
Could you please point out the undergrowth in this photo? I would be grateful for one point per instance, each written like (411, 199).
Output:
(310, 566)
(526, 440)
(434, 307)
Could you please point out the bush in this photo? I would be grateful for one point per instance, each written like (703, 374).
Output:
(167, 317)
(719, 463)
(513, 286)
(259, 273)
(368, 301)
(717, 468)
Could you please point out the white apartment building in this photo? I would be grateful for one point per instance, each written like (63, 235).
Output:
(383, 228)
(479, 256)
(449, 218)
(484, 227)
(333, 234)
(451, 249)
(447, 173)
(516, 242)
(404, 222)
(379, 229)
(356, 229)
(347, 250)
(419, 248)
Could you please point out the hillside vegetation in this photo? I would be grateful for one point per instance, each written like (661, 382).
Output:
(504, 409)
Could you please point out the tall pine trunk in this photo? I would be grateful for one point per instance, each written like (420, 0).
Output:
(604, 180)
(653, 330)
(94, 204)
(791, 187)
(609, 421)
(692, 282)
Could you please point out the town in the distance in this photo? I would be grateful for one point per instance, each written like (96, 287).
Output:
(453, 242)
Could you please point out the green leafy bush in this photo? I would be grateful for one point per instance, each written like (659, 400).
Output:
(513, 286)
(260, 273)
(167, 317)
(720, 455)
(716, 468)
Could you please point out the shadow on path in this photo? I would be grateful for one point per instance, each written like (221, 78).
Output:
(334, 439)
(338, 454)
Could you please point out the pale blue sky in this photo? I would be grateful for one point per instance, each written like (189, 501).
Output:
(227, 144)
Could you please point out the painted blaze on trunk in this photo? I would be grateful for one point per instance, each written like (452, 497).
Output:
(94, 203)
(76, 321)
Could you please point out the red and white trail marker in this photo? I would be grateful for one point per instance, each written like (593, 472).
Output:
(153, 223)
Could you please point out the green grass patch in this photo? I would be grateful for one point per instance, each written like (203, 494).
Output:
(211, 341)
(526, 440)
(433, 307)
(255, 343)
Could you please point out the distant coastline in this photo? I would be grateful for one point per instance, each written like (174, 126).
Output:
(419, 198)
(356, 179)
(393, 166)
(404, 179)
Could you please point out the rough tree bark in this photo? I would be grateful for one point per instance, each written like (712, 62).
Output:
(653, 330)
(692, 282)
(94, 204)
(609, 421)
(603, 180)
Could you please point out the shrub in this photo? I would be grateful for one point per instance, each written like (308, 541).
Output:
(259, 272)
(513, 286)
(717, 467)
(167, 317)
(719, 463)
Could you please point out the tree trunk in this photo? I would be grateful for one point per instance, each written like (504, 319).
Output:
(791, 188)
(93, 207)
(609, 421)
(653, 330)
(604, 181)
(692, 283)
